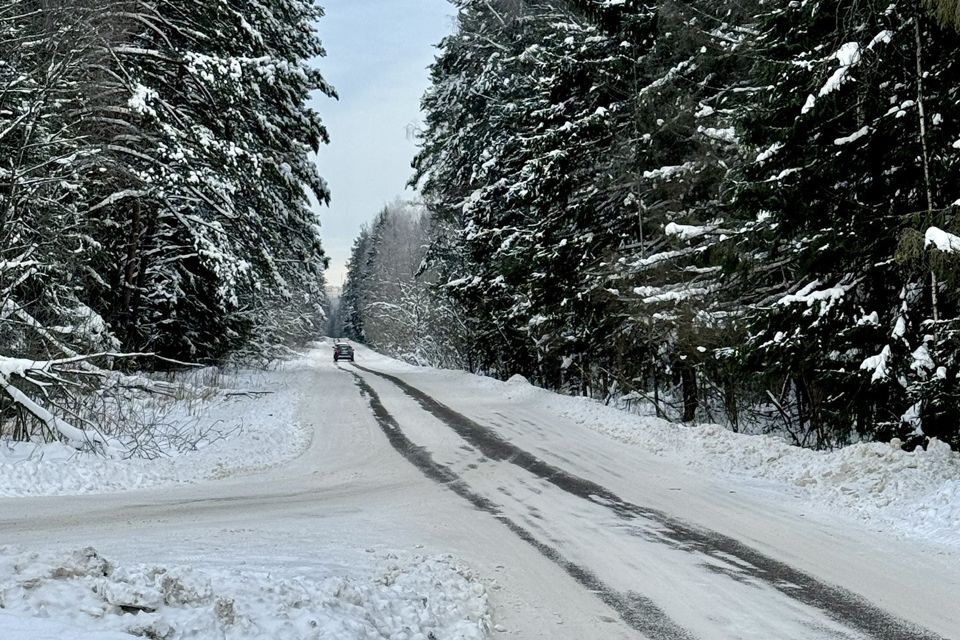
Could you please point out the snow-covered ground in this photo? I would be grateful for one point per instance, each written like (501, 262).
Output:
(82, 594)
(384, 517)
(237, 573)
(910, 493)
(717, 553)
(913, 494)
(246, 423)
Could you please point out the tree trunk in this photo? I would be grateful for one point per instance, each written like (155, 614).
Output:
(730, 402)
(131, 271)
(691, 398)
(142, 267)
(928, 183)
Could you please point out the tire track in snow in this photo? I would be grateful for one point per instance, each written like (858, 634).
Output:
(839, 604)
(639, 612)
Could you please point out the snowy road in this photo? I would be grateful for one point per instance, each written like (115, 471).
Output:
(579, 536)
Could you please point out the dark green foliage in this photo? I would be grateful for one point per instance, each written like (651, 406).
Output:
(535, 204)
(352, 299)
(842, 195)
(167, 188)
(725, 208)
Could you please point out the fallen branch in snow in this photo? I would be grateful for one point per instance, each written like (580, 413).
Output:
(11, 309)
(247, 394)
(47, 370)
(80, 399)
(55, 381)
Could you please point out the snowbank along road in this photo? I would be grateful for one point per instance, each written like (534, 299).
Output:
(577, 535)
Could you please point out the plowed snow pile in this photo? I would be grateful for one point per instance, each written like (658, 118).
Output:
(84, 596)
(913, 493)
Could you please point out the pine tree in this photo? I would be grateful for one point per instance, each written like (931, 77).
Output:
(668, 300)
(748, 204)
(354, 295)
(154, 180)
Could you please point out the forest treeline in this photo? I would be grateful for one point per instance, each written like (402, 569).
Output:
(735, 211)
(155, 176)
(388, 300)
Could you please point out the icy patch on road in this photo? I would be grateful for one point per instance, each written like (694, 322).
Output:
(82, 595)
(237, 433)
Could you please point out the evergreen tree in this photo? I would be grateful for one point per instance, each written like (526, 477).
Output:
(206, 155)
(855, 158)
(525, 107)
(585, 158)
(155, 169)
(390, 298)
(353, 297)
(668, 299)
(733, 202)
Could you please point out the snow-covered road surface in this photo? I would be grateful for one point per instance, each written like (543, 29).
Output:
(576, 535)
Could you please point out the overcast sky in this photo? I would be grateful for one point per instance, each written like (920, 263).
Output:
(378, 52)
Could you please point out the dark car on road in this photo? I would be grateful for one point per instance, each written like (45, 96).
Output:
(342, 351)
